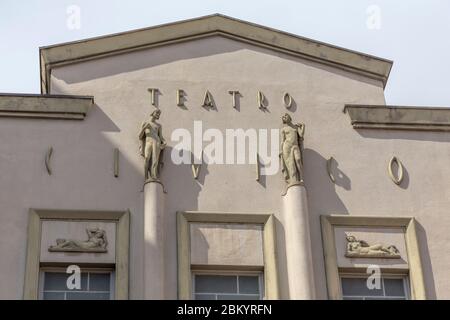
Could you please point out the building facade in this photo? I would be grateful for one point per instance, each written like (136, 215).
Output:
(273, 170)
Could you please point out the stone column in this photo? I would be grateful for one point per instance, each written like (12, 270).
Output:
(298, 244)
(153, 240)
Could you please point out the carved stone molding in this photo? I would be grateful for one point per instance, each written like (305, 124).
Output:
(75, 52)
(185, 268)
(262, 100)
(62, 107)
(330, 174)
(48, 156)
(397, 179)
(196, 167)
(116, 162)
(408, 224)
(299, 183)
(287, 100)
(361, 249)
(153, 181)
(96, 243)
(399, 117)
(37, 218)
(257, 167)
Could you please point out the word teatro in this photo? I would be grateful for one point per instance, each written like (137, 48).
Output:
(208, 100)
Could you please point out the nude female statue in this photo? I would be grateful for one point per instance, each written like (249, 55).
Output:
(291, 150)
(361, 247)
(152, 145)
(96, 241)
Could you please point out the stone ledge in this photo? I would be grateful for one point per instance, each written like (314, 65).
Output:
(66, 107)
(399, 118)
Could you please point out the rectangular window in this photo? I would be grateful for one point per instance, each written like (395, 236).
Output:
(390, 288)
(94, 285)
(228, 286)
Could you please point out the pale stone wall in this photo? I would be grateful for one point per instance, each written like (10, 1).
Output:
(226, 244)
(218, 64)
(83, 154)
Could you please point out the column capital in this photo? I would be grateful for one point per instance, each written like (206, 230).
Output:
(155, 181)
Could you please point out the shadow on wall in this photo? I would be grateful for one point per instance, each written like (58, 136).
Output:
(82, 178)
(170, 53)
(427, 267)
(203, 248)
(283, 281)
(404, 135)
(76, 165)
(182, 195)
(322, 196)
(340, 178)
(322, 200)
(180, 182)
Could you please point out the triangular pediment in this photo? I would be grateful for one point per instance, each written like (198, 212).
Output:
(94, 48)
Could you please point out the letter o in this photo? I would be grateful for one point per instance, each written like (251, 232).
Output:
(287, 100)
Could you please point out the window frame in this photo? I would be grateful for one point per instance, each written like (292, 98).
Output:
(33, 264)
(407, 224)
(184, 218)
(402, 276)
(235, 273)
(88, 270)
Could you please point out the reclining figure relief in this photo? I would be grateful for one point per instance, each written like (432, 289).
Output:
(96, 242)
(361, 249)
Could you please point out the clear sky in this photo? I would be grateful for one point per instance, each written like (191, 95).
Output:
(412, 33)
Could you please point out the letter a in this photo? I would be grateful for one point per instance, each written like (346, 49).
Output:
(208, 101)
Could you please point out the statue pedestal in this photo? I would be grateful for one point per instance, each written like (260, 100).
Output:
(298, 244)
(153, 240)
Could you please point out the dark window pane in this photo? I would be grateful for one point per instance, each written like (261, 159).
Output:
(55, 281)
(203, 296)
(99, 281)
(394, 287)
(237, 297)
(219, 284)
(87, 296)
(358, 287)
(53, 296)
(249, 284)
(58, 281)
